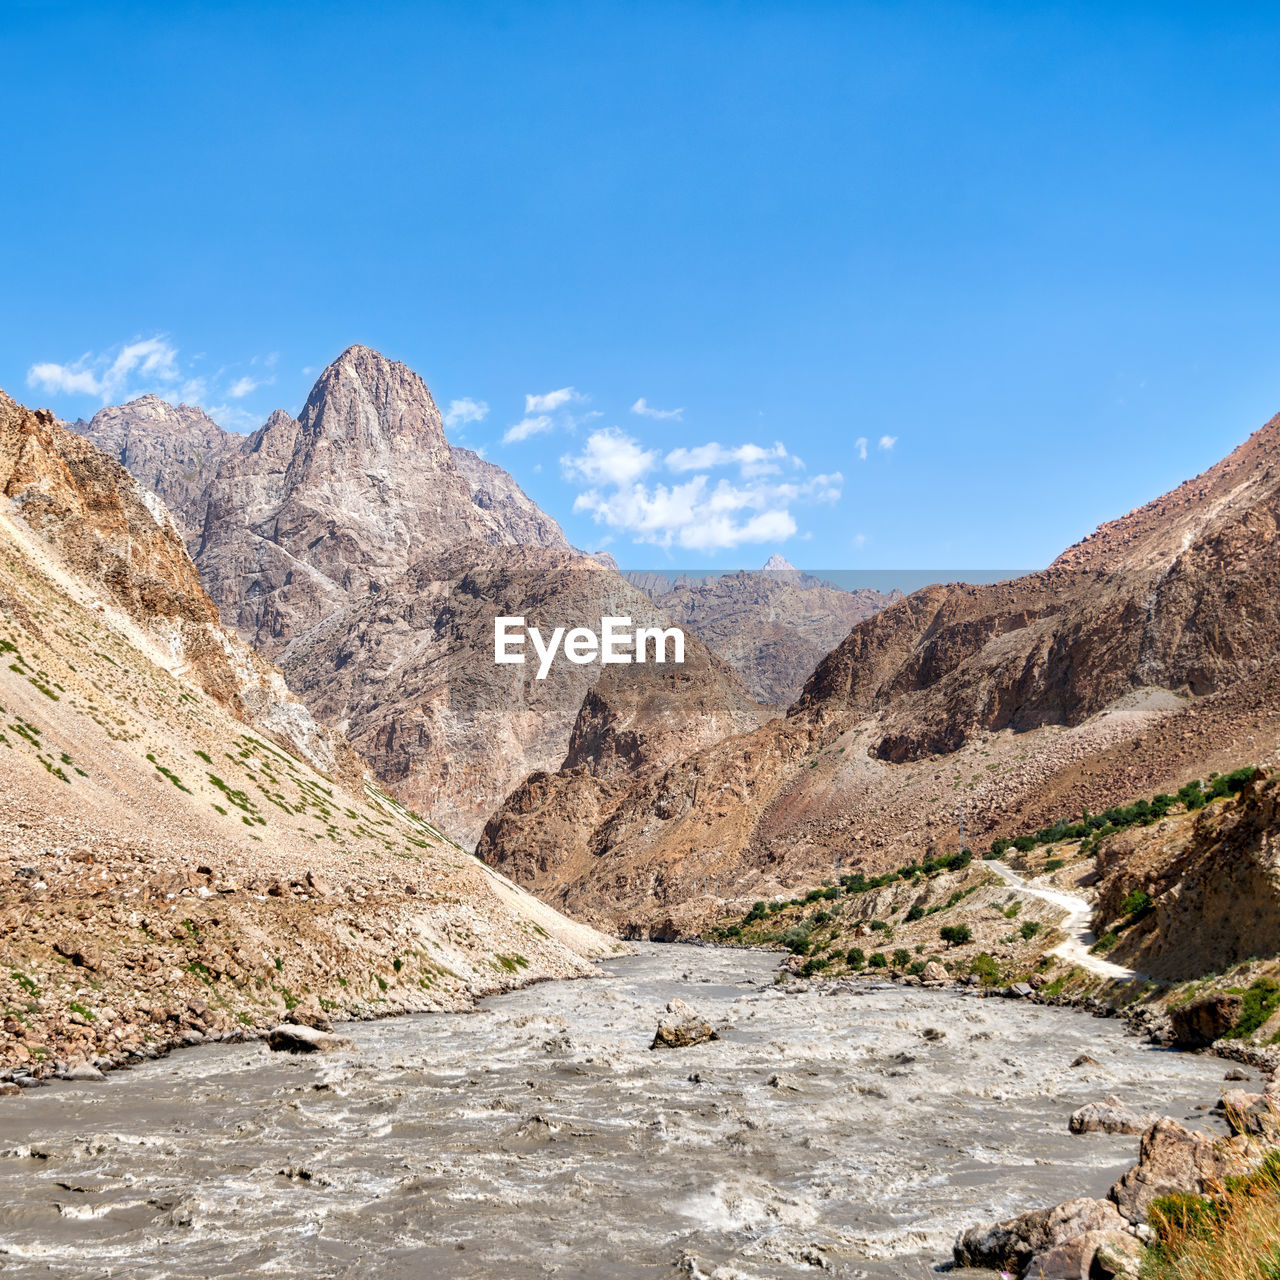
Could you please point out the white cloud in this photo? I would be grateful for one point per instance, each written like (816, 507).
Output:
(527, 427)
(550, 402)
(460, 412)
(646, 410)
(861, 445)
(751, 459)
(609, 457)
(887, 442)
(695, 514)
(154, 365)
(153, 362)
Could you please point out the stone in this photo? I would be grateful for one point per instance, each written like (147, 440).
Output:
(1174, 1160)
(1198, 1024)
(1236, 1074)
(83, 1071)
(289, 1037)
(1119, 1256)
(681, 1028)
(1250, 1113)
(1084, 1061)
(1022, 990)
(85, 954)
(8, 1089)
(934, 975)
(1011, 1244)
(1111, 1116)
(1078, 1258)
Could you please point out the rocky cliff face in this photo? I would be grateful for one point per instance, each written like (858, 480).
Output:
(176, 826)
(172, 451)
(1147, 656)
(409, 676)
(1213, 879)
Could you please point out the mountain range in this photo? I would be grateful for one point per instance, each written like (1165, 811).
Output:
(368, 557)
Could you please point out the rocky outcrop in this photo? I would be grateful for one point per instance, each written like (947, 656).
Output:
(1011, 1245)
(1173, 1160)
(1198, 1024)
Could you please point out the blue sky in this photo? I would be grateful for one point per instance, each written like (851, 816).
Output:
(1023, 257)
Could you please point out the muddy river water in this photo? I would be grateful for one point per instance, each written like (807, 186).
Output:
(540, 1136)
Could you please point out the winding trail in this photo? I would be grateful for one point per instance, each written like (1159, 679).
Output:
(1080, 936)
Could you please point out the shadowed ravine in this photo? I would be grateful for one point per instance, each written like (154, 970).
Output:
(541, 1136)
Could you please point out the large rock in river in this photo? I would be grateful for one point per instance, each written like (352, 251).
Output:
(1111, 1116)
(1011, 1245)
(681, 1028)
(288, 1037)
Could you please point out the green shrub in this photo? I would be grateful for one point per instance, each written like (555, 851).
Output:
(901, 958)
(985, 969)
(796, 939)
(1105, 943)
(955, 934)
(814, 965)
(1029, 929)
(916, 913)
(879, 925)
(878, 960)
(1135, 904)
(1260, 1001)
(1055, 864)
(857, 958)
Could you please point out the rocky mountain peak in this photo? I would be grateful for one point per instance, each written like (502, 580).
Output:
(778, 564)
(365, 400)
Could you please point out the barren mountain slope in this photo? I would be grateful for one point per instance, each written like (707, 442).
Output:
(172, 451)
(183, 851)
(1105, 677)
(772, 627)
(409, 676)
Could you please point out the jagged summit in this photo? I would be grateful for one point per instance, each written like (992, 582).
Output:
(778, 564)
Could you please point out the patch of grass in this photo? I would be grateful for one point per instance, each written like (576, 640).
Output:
(1261, 1000)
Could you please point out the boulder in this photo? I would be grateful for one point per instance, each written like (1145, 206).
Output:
(85, 954)
(1010, 1245)
(681, 1028)
(1256, 1113)
(83, 1071)
(934, 975)
(1174, 1160)
(1111, 1116)
(1084, 1061)
(1198, 1024)
(1118, 1257)
(289, 1037)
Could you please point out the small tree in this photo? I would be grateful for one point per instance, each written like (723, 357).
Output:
(878, 960)
(916, 913)
(901, 958)
(857, 958)
(956, 934)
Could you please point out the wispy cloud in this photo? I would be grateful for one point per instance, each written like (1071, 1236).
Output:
(887, 442)
(751, 459)
(551, 401)
(150, 362)
(646, 410)
(700, 513)
(527, 427)
(861, 445)
(460, 412)
(155, 365)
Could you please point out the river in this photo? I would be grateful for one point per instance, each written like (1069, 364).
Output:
(540, 1136)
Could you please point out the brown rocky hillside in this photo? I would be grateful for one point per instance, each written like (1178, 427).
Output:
(1146, 656)
(184, 852)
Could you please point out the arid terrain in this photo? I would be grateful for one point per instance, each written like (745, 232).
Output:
(184, 852)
